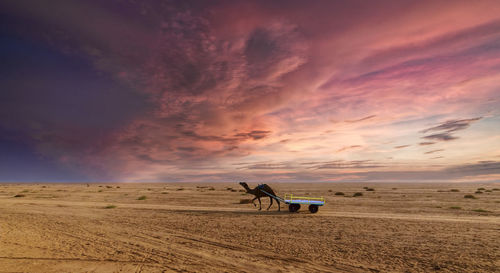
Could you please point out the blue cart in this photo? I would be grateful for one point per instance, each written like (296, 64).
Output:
(294, 202)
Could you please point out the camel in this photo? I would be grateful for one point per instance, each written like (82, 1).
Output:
(258, 194)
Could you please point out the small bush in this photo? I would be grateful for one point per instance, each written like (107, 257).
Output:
(455, 207)
(110, 207)
(142, 197)
(470, 196)
(330, 191)
(180, 189)
(370, 189)
(478, 192)
(481, 189)
(339, 193)
(99, 191)
(455, 190)
(211, 189)
(117, 187)
(356, 194)
(480, 210)
(19, 195)
(495, 189)
(109, 187)
(233, 190)
(242, 191)
(164, 192)
(245, 201)
(487, 190)
(228, 189)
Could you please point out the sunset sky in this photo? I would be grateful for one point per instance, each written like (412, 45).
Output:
(258, 91)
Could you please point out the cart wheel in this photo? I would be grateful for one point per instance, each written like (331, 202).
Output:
(313, 208)
(294, 207)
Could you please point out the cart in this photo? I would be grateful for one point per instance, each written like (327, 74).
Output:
(294, 202)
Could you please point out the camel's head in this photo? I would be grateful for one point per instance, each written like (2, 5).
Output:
(244, 185)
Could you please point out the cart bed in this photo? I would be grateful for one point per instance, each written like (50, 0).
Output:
(291, 199)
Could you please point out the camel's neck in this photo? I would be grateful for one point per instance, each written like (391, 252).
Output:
(247, 188)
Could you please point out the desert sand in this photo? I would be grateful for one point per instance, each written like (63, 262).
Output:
(203, 228)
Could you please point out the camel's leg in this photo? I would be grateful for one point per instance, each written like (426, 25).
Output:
(270, 198)
(279, 206)
(253, 201)
(260, 204)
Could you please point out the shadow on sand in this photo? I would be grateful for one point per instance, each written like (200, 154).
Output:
(283, 211)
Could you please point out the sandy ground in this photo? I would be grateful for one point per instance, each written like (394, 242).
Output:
(196, 228)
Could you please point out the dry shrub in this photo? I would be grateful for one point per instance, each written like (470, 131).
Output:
(455, 190)
(469, 196)
(357, 194)
(19, 195)
(339, 193)
(142, 197)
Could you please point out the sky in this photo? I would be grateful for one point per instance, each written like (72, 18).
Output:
(258, 91)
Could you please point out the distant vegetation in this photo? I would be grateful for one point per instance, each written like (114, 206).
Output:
(142, 197)
(470, 196)
(339, 193)
(455, 207)
(455, 190)
(19, 195)
(370, 189)
(357, 194)
(110, 207)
